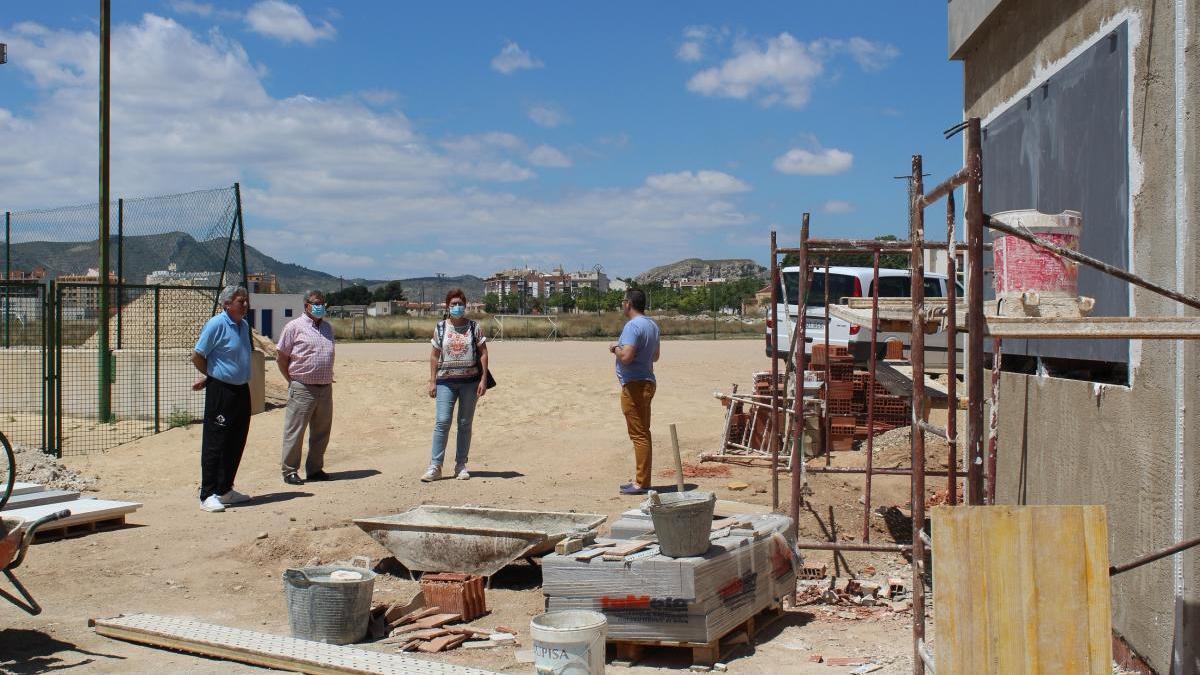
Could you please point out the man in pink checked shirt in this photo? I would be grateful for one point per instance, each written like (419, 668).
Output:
(306, 361)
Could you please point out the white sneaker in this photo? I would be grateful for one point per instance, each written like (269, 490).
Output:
(212, 504)
(431, 474)
(233, 497)
(460, 472)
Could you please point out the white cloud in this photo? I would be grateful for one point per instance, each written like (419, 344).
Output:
(871, 56)
(690, 51)
(331, 175)
(287, 23)
(190, 7)
(837, 206)
(782, 69)
(697, 182)
(345, 261)
(547, 116)
(547, 156)
(825, 162)
(378, 96)
(696, 39)
(512, 58)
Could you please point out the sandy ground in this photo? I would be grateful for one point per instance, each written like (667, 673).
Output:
(550, 437)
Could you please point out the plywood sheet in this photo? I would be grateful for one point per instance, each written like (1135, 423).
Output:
(1021, 589)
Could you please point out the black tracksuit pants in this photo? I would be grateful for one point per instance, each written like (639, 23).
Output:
(226, 424)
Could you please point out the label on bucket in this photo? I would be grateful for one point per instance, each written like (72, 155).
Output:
(569, 658)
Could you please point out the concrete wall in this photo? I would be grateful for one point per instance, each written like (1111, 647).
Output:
(1134, 449)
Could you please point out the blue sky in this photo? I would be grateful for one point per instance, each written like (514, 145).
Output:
(387, 140)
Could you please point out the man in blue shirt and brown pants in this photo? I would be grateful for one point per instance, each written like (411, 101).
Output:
(222, 356)
(636, 350)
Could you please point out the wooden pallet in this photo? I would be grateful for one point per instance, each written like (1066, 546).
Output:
(49, 531)
(629, 652)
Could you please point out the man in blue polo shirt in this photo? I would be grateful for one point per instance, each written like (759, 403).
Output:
(636, 350)
(222, 355)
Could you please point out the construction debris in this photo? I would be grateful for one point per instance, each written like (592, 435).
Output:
(413, 626)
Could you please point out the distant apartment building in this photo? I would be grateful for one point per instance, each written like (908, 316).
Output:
(262, 283)
(173, 277)
(534, 284)
(685, 283)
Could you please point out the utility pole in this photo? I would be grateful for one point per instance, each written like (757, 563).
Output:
(104, 362)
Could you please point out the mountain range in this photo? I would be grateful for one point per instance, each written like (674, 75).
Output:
(142, 255)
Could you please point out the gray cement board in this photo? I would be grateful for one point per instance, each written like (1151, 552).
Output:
(39, 498)
(82, 511)
(26, 488)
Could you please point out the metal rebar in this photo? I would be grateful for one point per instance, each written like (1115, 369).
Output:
(975, 320)
(1076, 256)
(846, 546)
(945, 188)
(774, 347)
(827, 427)
(871, 396)
(881, 471)
(993, 423)
(1151, 557)
(798, 358)
(917, 356)
(951, 352)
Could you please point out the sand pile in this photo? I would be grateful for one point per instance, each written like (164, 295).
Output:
(893, 449)
(34, 466)
(182, 313)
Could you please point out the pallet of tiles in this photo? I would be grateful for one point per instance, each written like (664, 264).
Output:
(694, 600)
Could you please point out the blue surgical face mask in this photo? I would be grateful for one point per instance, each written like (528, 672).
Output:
(458, 311)
(317, 311)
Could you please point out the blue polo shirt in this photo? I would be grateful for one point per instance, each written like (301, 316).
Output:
(226, 345)
(642, 333)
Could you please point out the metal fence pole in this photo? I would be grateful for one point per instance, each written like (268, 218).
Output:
(105, 379)
(917, 356)
(120, 266)
(773, 346)
(56, 418)
(798, 357)
(241, 223)
(157, 372)
(47, 361)
(7, 276)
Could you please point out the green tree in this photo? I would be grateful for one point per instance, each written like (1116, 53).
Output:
(354, 294)
(491, 303)
(392, 290)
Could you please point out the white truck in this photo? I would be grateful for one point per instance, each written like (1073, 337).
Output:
(846, 282)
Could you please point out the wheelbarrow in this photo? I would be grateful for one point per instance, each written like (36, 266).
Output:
(472, 540)
(16, 534)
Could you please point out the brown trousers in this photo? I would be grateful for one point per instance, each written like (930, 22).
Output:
(635, 403)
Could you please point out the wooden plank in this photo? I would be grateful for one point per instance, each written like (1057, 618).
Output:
(1021, 589)
(619, 552)
(270, 651)
(38, 498)
(437, 620)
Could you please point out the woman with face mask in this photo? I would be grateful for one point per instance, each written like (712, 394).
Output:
(458, 367)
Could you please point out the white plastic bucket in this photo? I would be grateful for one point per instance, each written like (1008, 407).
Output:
(568, 642)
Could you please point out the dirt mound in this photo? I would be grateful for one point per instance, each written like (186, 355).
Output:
(894, 449)
(34, 466)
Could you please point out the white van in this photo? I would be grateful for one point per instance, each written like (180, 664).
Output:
(851, 282)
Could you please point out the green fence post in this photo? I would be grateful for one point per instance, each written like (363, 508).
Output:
(105, 380)
(47, 380)
(156, 373)
(57, 356)
(120, 266)
(7, 276)
(237, 195)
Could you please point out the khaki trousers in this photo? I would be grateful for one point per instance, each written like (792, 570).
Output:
(309, 405)
(635, 403)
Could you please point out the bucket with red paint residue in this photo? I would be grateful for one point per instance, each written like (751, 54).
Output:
(1020, 266)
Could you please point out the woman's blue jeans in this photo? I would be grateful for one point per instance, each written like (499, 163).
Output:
(447, 394)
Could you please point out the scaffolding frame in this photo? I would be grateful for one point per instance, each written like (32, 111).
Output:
(981, 466)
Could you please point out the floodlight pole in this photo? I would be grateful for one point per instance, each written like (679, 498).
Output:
(105, 359)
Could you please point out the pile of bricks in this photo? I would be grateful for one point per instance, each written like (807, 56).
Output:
(846, 399)
(421, 625)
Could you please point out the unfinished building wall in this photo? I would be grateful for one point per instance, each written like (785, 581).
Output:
(1132, 448)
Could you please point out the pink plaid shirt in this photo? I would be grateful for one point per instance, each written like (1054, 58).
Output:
(310, 348)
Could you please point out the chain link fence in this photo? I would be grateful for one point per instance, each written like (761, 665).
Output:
(75, 387)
